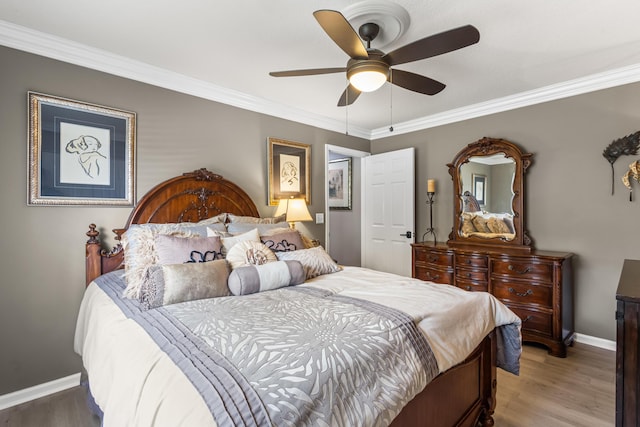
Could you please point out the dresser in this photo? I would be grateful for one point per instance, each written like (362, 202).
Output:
(537, 286)
(627, 350)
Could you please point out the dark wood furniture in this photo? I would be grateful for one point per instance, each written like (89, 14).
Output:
(463, 396)
(537, 286)
(627, 346)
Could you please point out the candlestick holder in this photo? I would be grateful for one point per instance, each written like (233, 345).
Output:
(430, 230)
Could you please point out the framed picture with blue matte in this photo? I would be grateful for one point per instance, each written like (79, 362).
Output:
(80, 153)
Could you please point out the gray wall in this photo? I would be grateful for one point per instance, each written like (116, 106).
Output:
(569, 206)
(42, 259)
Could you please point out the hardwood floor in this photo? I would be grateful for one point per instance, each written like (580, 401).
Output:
(578, 391)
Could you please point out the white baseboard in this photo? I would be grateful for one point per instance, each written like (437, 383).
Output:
(596, 342)
(38, 391)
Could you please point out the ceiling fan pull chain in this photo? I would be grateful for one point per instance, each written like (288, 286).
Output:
(391, 100)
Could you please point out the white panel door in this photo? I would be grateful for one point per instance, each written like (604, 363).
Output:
(388, 211)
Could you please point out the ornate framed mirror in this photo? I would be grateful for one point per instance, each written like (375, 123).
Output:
(488, 203)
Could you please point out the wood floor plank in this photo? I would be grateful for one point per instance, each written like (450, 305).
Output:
(577, 391)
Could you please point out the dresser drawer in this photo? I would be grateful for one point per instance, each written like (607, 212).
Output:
(472, 275)
(477, 261)
(433, 275)
(522, 293)
(523, 269)
(432, 256)
(472, 286)
(534, 321)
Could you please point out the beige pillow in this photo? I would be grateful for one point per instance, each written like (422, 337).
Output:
(174, 283)
(481, 224)
(467, 224)
(256, 220)
(249, 252)
(316, 261)
(498, 226)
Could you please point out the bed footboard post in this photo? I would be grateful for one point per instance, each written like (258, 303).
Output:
(490, 381)
(93, 258)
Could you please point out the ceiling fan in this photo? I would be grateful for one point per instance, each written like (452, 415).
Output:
(368, 68)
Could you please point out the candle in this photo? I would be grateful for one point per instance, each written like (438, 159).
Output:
(431, 186)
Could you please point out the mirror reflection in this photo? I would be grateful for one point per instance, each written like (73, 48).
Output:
(487, 197)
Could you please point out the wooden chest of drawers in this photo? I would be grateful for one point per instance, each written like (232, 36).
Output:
(537, 286)
(627, 348)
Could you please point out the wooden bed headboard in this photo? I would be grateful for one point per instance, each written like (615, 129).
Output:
(190, 197)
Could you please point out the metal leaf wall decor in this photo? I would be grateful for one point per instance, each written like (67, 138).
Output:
(632, 173)
(625, 146)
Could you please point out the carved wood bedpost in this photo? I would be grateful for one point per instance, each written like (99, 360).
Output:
(93, 257)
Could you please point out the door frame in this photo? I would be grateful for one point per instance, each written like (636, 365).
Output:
(350, 152)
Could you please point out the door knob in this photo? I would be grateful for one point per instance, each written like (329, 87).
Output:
(407, 234)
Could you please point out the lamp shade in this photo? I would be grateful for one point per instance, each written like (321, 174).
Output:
(282, 207)
(297, 211)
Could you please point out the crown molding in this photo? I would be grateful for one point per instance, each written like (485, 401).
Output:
(36, 42)
(604, 80)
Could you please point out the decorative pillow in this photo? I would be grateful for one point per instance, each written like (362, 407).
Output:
(481, 224)
(140, 252)
(255, 220)
(243, 227)
(174, 283)
(316, 261)
(496, 225)
(218, 219)
(467, 224)
(179, 250)
(249, 252)
(282, 241)
(249, 279)
(228, 242)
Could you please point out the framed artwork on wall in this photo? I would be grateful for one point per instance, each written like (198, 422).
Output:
(289, 170)
(80, 153)
(339, 174)
(480, 188)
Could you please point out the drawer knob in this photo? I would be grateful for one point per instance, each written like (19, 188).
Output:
(469, 275)
(519, 271)
(521, 294)
(468, 287)
(433, 276)
(468, 261)
(433, 258)
(526, 319)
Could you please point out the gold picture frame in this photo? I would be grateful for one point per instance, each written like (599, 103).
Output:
(289, 170)
(79, 153)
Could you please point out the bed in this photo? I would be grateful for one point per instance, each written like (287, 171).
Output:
(414, 353)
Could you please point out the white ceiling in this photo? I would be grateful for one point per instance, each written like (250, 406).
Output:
(529, 51)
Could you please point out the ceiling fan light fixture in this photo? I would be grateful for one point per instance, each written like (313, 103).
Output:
(368, 76)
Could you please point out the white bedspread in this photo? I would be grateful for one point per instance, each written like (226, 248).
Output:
(136, 384)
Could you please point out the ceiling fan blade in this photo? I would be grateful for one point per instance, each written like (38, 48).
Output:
(309, 72)
(415, 82)
(338, 28)
(350, 94)
(434, 45)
